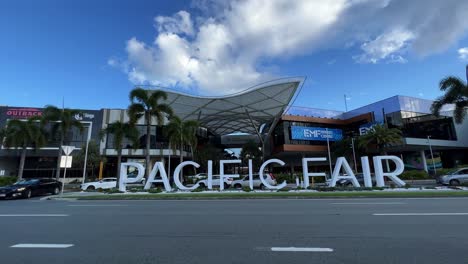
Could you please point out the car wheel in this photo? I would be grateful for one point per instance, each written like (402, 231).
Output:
(454, 182)
(28, 194)
(56, 190)
(262, 187)
(226, 186)
(91, 188)
(202, 185)
(349, 185)
(238, 186)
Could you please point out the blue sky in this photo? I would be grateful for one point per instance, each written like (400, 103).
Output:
(93, 53)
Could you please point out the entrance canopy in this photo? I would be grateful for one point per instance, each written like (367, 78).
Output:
(243, 112)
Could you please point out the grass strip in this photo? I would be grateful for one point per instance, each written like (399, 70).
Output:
(274, 195)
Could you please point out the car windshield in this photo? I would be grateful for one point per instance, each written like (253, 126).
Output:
(452, 172)
(23, 182)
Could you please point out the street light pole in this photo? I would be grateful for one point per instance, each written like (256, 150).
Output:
(329, 154)
(432, 155)
(354, 155)
(90, 128)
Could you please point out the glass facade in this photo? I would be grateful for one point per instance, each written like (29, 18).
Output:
(157, 139)
(422, 125)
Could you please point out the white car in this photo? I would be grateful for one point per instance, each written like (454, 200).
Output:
(105, 183)
(455, 177)
(198, 176)
(257, 183)
(215, 182)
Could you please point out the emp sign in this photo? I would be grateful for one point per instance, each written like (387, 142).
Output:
(158, 173)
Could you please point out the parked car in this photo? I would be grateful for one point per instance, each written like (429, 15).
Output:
(27, 188)
(456, 177)
(105, 183)
(360, 179)
(198, 176)
(257, 183)
(216, 182)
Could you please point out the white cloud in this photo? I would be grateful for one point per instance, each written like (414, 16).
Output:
(235, 44)
(387, 47)
(463, 53)
(179, 23)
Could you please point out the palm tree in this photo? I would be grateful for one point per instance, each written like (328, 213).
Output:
(380, 136)
(62, 120)
(121, 131)
(456, 92)
(344, 148)
(145, 103)
(251, 150)
(21, 134)
(182, 133)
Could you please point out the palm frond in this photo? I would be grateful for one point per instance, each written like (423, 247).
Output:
(139, 95)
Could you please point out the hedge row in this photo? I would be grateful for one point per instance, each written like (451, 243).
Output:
(7, 180)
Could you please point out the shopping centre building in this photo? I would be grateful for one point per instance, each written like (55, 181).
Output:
(266, 115)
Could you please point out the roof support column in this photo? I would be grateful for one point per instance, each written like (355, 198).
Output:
(258, 133)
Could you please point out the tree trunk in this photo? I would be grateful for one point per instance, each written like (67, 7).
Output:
(21, 165)
(148, 143)
(193, 159)
(59, 157)
(181, 160)
(119, 162)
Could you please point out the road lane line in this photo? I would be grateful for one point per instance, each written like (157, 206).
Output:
(390, 203)
(301, 249)
(42, 246)
(95, 205)
(418, 214)
(33, 215)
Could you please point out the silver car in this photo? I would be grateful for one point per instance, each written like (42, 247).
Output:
(456, 177)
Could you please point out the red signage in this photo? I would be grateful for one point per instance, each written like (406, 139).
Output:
(23, 112)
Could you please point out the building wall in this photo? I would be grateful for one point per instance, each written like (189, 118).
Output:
(8, 166)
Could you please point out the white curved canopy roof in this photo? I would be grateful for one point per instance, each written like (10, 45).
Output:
(235, 113)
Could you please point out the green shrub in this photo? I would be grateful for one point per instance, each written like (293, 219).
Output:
(136, 189)
(7, 180)
(113, 190)
(281, 177)
(414, 175)
(199, 189)
(444, 171)
(246, 189)
(155, 190)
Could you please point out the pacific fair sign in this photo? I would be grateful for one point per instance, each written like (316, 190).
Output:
(158, 173)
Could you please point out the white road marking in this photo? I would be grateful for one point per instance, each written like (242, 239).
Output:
(42, 246)
(418, 214)
(367, 203)
(95, 205)
(301, 249)
(33, 215)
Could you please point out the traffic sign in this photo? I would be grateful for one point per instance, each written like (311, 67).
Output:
(68, 149)
(66, 161)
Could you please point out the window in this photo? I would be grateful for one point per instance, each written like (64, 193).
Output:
(108, 180)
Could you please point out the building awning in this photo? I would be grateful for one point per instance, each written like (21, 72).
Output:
(243, 112)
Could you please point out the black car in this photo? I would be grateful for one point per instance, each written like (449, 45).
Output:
(359, 178)
(27, 188)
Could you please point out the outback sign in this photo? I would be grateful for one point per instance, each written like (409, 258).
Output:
(158, 173)
(23, 112)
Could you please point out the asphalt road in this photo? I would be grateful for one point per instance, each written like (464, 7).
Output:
(236, 231)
